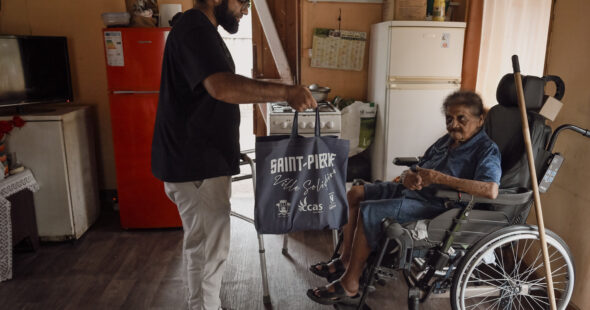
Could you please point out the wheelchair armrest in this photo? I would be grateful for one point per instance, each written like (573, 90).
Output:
(506, 196)
(405, 161)
(359, 182)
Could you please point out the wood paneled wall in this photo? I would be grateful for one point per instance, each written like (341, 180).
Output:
(472, 43)
(81, 23)
(285, 14)
(565, 205)
(356, 17)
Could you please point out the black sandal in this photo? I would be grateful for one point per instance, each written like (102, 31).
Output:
(324, 272)
(323, 296)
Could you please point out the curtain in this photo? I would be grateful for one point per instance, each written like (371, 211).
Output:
(511, 27)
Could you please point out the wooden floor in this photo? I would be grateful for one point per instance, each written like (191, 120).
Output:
(110, 268)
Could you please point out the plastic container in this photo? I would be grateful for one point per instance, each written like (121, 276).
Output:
(113, 19)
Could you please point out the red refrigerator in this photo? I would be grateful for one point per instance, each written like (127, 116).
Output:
(134, 63)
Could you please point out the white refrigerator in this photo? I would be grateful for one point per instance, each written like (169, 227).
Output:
(413, 66)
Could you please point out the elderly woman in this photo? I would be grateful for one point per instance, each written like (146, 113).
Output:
(465, 159)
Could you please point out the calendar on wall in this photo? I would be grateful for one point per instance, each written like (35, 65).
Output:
(334, 49)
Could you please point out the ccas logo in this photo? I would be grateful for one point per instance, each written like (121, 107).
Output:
(304, 207)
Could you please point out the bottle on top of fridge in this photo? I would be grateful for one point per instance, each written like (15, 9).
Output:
(438, 10)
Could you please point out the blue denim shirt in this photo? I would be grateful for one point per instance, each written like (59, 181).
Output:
(477, 159)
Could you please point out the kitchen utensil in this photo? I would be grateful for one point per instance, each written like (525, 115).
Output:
(319, 93)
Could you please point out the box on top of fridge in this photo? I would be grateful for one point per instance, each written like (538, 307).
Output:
(404, 10)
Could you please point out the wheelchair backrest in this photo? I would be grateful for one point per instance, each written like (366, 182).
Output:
(504, 126)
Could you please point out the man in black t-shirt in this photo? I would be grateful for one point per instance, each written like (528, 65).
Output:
(195, 148)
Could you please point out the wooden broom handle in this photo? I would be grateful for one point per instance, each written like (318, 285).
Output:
(533, 173)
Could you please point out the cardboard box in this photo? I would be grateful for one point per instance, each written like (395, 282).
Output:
(404, 10)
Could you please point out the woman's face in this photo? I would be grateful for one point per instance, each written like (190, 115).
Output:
(461, 123)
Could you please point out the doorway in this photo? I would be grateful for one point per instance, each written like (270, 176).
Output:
(240, 47)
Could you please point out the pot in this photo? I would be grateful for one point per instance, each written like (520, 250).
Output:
(319, 93)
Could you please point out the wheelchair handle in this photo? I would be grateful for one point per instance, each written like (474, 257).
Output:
(582, 131)
(559, 85)
(405, 161)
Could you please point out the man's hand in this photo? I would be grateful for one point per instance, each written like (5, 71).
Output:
(300, 98)
(234, 88)
(411, 180)
(428, 176)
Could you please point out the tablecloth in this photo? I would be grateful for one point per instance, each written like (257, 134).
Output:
(11, 185)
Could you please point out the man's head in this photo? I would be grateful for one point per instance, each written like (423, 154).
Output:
(229, 12)
(464, 115)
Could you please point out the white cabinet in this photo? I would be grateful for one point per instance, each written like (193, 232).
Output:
(58, 146)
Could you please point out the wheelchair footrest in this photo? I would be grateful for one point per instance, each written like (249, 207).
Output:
(396, 251)
(385, 273)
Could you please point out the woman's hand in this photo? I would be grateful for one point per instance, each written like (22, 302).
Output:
(411, 180)
(428, 176)
(473, 187)
(419, 179)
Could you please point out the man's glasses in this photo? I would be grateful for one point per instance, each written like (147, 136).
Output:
(245, 3)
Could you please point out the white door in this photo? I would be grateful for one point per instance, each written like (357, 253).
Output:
(414, 120)
(428, 53)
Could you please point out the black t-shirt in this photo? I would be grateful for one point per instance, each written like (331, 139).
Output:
(195, 136)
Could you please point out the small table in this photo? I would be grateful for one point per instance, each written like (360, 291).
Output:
(12, 188)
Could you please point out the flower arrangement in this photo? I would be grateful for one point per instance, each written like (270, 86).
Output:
(7, 126)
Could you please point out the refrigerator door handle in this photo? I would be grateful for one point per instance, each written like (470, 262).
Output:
(424, 79)
(118, 92)
(423, 86)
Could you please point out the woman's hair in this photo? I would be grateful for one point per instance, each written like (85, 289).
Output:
(465, 98)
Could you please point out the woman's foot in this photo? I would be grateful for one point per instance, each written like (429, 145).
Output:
(331, 270)
(332, 293)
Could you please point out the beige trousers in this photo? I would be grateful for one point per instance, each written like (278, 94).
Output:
(204, 209)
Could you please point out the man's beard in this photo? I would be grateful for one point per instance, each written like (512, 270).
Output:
(225, 18)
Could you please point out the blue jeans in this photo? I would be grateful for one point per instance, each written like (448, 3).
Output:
(388, 199)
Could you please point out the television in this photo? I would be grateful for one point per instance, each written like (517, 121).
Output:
(33, 70)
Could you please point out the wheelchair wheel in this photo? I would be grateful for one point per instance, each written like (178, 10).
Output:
(505, 270)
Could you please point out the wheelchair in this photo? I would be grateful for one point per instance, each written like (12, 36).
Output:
(480, 253)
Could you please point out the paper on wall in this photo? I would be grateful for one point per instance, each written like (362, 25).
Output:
(338, 49)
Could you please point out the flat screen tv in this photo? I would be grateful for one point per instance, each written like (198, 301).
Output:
(34, 69)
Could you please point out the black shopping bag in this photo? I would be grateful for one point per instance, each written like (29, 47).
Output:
(300, 182)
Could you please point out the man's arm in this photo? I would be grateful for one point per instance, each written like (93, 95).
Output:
(473, 187)
(233, 88)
